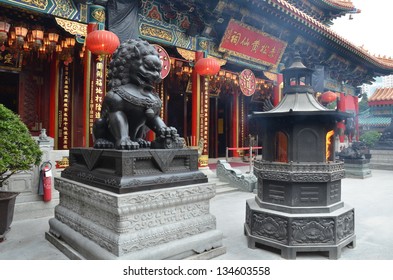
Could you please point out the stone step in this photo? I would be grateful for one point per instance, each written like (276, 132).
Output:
(225, 189)
(221, 187)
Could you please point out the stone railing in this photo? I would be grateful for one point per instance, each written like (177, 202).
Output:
(244, 182)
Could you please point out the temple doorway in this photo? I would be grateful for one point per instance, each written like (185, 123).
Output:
(220, 127)
(9, 90)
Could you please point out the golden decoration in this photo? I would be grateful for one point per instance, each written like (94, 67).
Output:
(186, 54)
(152, 31)
(63, 163)
(270, 75)
(72, 27)
(99, 15)
(219, 60)
(41, 4)
(203, 160)
(203, 45)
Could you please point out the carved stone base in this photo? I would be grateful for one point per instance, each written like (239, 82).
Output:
(292, 233)
(357, 168)
(170, 223)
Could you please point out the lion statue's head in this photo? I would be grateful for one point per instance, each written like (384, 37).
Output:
(135, 61)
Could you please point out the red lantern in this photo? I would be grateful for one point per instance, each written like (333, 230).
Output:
(207, 66)
(102, 42)
(328, 97)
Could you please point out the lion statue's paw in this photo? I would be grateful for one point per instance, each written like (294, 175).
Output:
(126, 144)
(168, 132)
(143, 143)
(102, 143)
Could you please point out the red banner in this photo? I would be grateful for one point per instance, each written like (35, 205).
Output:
(249, 43)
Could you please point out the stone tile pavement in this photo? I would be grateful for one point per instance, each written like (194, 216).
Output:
(372, 199)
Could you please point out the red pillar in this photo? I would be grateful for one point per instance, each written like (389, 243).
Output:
(341, 108)
(195, 103)
(277, 90)
(52, 97)
(356, 103)
(235, 122)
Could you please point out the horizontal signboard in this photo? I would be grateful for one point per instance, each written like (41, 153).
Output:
(246, 42)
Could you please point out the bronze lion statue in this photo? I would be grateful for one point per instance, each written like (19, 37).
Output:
(357, 150)
(131, 103)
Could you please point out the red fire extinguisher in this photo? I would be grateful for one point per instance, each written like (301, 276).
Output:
(45, 185)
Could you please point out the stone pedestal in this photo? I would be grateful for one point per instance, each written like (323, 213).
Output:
(298, 208)
(381, 159)
(357, 168)
(131, 171)
(169, 223)
(141, 204)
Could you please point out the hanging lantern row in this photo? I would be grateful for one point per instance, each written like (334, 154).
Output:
(20, 37)
(4, 29)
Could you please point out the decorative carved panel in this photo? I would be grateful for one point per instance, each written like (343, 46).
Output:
(312, 231)
(270, 226)
(345, 225)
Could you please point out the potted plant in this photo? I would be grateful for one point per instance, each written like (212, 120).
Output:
(18, 151)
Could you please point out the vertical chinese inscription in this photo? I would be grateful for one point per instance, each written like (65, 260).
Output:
(97, 92)
(65, 109)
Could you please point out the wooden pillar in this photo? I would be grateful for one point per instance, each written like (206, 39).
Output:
(235, 123)
(341, 108)
(277, 90)
(356, 118)
(196, 100)
(53, 96)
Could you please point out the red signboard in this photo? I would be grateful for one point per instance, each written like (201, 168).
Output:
(249, 43)
(247, 82)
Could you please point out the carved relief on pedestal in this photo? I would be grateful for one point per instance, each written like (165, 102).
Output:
(269, 226)
(312, 231)
(345, 225)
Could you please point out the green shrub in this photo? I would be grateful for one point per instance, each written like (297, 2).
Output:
(18, 150)
(370, 138)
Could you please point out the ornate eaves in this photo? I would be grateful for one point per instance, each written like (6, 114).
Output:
(72, 27)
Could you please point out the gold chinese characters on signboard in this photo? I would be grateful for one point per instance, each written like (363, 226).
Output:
(246, 42)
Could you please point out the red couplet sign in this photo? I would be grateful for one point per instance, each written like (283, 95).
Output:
(166, 60)
(249, 43)
(247, 82)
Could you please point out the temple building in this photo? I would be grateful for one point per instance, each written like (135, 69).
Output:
(380, 112)
(52, 81)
